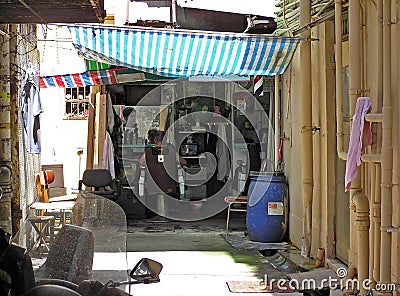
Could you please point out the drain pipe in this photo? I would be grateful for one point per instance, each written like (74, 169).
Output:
(306, 130)
(173, 13)
(362, 221)
(387, 150)
(371, 193)
(354, 93)
(377, 223)
(339, 81)
(277, 105)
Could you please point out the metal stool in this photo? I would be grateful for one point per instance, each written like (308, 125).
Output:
(232, 200)
(43, 225)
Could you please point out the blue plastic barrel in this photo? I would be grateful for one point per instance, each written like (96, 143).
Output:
(267, 207)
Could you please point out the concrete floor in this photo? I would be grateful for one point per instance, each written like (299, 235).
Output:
(196, 257)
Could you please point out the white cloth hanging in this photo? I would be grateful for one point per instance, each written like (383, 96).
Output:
(222, 153)
(110, 113)
(31, 108)
(108, 155)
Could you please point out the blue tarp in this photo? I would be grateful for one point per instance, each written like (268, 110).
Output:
(178, 53)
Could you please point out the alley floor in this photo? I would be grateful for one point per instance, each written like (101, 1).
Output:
(196, 257)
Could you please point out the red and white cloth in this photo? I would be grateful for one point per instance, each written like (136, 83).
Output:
(88, 78)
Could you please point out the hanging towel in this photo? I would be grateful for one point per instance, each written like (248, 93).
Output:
(222, 153)
(359, 129)
(108, 155)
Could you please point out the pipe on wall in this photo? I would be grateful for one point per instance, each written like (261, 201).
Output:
(376, 210)
(173, 12)
(371, 158)
(376, 196)
(387, 150)
(396, 86)
(395, 136)
(354, 93)
(372, 117)
(306, 130)
(339, 81)
(277, 105)
(362, 221)
(371, 193)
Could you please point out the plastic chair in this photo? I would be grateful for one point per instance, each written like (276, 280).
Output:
(71, 255)
(234, 200)
(101, 181)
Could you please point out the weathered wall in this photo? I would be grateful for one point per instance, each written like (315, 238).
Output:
(323, 140)
(291, 146)
(327, 166)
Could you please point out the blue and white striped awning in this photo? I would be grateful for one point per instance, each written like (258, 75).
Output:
(178, 53)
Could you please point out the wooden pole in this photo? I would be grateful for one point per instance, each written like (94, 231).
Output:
(16, 212)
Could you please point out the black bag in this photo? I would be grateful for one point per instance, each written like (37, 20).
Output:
(16, 272)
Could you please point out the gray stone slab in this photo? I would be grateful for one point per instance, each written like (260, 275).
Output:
(242, 242)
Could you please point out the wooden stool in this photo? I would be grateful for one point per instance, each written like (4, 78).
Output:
(232, 200)
(42, 226)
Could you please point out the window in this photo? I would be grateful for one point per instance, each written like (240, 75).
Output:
(77, 103)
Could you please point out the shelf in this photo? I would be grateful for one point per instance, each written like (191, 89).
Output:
(202, 156)
(132, 145)
(193, 131)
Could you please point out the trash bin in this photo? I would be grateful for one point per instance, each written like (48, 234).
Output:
(267, 207)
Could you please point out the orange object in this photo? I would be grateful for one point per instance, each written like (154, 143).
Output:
(43, 179)
(49, 176)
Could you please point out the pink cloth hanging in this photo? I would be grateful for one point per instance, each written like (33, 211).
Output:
(359, 129)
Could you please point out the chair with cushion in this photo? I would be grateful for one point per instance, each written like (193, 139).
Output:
(101, 182)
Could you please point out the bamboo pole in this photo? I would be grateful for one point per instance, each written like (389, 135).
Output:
(5, 119)
(16, 212)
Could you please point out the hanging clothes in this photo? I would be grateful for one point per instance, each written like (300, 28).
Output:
(110, 113)
(31, 108)
(108, 155)
(359, 129)
(222, 153)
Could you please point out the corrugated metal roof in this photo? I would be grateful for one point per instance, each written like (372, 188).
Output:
(51, 11)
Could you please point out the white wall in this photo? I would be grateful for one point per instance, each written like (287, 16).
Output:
(61, 138)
